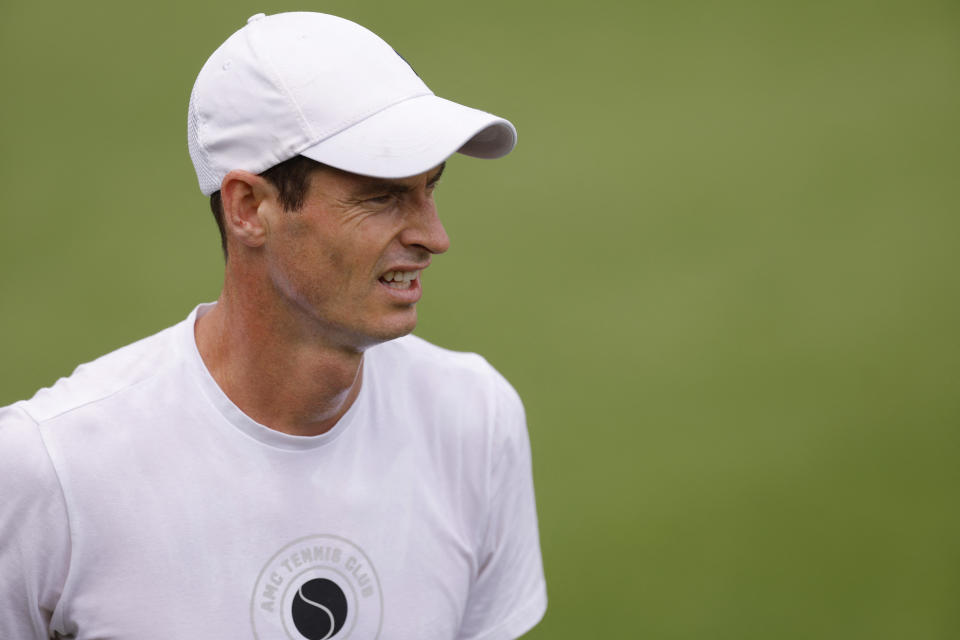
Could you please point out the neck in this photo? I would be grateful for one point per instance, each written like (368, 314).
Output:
(280, 378)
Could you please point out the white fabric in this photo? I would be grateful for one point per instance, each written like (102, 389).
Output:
(139, 503)
(297, 82)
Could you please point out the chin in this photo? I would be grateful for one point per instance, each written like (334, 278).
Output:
(400, 329)
(390, 330)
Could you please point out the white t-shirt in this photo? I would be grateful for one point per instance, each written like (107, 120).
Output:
(139, 503)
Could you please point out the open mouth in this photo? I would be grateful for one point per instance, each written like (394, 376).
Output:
(399, 279)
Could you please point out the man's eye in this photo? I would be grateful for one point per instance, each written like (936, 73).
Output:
(384, 199)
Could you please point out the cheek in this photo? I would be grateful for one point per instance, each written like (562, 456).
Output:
(320, 275)
(314, 261)
(296, 267)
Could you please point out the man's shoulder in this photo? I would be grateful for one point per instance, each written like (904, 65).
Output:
(443, 373)
(105, 376)
(418, 357)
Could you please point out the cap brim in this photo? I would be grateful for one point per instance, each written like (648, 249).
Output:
(414, 136)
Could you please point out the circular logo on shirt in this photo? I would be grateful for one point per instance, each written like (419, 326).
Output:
(321, 587)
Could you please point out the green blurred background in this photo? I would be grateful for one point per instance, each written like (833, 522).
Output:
(720, 267)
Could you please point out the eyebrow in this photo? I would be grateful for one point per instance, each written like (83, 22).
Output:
(436, 177)
(377, 185)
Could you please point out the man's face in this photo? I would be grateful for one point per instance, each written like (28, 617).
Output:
(347, 265)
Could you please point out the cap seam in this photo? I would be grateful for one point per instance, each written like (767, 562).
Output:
(279, 84)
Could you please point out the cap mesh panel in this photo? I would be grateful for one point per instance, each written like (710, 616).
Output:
(207, 177)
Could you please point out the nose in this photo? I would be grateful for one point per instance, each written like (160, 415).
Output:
(424, 228)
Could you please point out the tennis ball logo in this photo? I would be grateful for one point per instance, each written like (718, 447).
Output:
(319, 609)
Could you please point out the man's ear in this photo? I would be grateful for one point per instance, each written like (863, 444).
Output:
(246, 197)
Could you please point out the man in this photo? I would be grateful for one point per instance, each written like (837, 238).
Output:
(287, 462)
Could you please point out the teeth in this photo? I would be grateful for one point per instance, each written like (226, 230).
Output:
(400, 279)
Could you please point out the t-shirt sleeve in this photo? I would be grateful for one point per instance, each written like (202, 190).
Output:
(34, 534)
(509, 595)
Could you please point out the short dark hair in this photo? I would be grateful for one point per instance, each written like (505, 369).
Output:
(290, 177)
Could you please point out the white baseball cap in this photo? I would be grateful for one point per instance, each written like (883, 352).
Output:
(326, 88)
